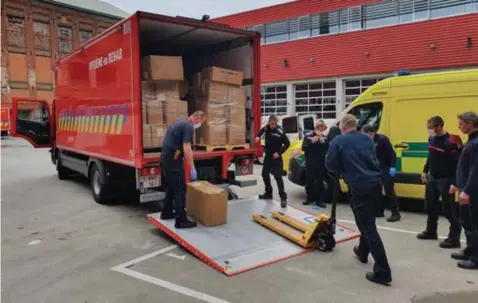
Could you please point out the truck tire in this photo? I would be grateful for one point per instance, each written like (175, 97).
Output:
(98, 186)
(63, 172)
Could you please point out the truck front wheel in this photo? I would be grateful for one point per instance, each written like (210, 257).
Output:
(98, 185)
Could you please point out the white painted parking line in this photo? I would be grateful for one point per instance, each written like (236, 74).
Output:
(183, 257)
(123, 268)
(398, 230)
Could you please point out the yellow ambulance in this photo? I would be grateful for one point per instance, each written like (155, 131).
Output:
(399, 108)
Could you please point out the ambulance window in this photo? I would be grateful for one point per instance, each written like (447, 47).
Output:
(309, 124)
(289, 125)
(370, 113)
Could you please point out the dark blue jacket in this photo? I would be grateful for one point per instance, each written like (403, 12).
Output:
(314, 152)
(467, 169)
(385, 153)
(443, 154)
(353, 156)
(276, 140)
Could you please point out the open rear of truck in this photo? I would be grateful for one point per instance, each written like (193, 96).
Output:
(95, 127)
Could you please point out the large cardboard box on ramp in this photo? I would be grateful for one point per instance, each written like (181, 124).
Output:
(242, 244)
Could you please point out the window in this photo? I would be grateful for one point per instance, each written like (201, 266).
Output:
(277, 31)
(261, 29)
(41, 38)
(16, 32)
(85, 35)
(329, 23)
(350, 19)
(65, 41)
(289, 125)
(353, 88)
(293, 28)
(475, 5)
(309, 124)
(370, 113)
(381, 14)
(316, 98)
(304, 27)
(274, 100)
(413, 10)
(445, 8)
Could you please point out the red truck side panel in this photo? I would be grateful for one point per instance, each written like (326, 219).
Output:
(96, 106)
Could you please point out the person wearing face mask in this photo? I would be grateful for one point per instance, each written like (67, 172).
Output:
(352, 155)
(177, 149)
(467, 187)
(276, 143)
(438, 174)
(387, 159)
(315, 148)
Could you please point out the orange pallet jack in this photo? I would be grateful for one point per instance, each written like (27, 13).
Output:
(319, 234)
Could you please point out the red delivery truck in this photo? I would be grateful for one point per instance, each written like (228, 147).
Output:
(5, 127)
(94, 126)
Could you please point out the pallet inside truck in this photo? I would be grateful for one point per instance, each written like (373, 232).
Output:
(319, 234)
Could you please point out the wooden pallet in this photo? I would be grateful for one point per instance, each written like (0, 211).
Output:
(225, 147)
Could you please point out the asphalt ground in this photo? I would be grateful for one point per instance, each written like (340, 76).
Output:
(58, 245)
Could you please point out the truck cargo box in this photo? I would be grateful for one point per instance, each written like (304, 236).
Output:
(116, 95)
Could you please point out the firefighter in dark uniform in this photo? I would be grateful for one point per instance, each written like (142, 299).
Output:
(352, 155)
(276, 143)
(438, 174)
(387, 159)
(176, 150)
(315, 147)
(467, 186)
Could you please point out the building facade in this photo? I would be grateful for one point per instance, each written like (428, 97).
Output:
(35, 34)
(317, 56)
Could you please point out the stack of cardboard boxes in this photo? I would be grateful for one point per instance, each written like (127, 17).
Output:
(218, 92)
(161, 103)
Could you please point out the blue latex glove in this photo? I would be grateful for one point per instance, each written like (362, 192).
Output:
(193, 174)
(393, 171)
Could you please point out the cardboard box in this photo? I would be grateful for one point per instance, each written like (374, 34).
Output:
(162, 68)
(160, 90)
(147, 143)
(165, 112)
(158, 131)
(220, 92)
(214, 130)
(207, 203)
(222, 75)
(236, 130)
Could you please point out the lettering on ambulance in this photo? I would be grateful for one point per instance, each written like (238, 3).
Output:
(106, 120)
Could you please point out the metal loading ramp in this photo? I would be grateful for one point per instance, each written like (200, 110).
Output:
(242, 244)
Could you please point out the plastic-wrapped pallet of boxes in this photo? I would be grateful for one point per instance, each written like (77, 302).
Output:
(219, 93)
(161, 104)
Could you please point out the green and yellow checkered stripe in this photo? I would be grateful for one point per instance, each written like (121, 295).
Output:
(103, 120)
(413, 159)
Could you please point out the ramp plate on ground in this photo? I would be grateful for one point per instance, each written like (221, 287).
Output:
(242, 244)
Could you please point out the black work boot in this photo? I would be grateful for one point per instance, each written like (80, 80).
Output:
(394, 217)
(468, 264)
(375, 278)
(450, 243)
(283, 202)
(307, 202)
(461, 255)
(321, 204)
(167, 214)
(363, 259)
(425, 235)
(266, 196)
(183, 223)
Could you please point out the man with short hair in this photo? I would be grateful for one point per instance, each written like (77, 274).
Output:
(387, 159)
(467, 186)
(177, 149)
(352, 155)
(438, 174)
(315, 147)
(276, 143)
